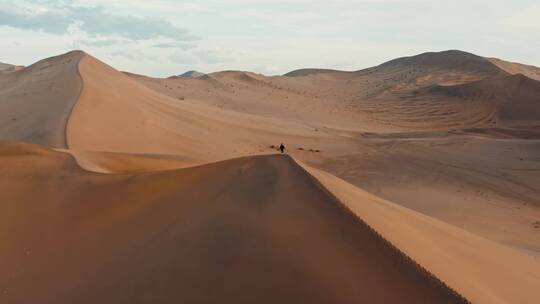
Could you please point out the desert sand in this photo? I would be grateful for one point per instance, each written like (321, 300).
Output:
(254, 229)
(37, 100)
(415, 181)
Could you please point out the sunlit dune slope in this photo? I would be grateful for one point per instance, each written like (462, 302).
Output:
(249, 230)
(487, 186)
(517, 68)
(118, 114)
(481, 270)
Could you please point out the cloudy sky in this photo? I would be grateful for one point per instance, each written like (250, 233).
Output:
(165, 37)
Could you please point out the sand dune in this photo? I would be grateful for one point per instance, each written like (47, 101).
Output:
(488, 186)
(394, 96)
(515, 98)
(191, 74)
(446, 143)
(332, 100)
(307, 72)
(249, 230)
(117, 114)
(6, 68)
(452, 60)
(517, 68)
(110, 162)
(476, 267)
(36, 101)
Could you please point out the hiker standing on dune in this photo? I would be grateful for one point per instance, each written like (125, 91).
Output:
(282, 148)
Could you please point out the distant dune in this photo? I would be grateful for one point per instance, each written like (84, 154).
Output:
(306, 72)
(453, 59)
(6, 68)
(450, 60)
(515, 98)
(191, 74)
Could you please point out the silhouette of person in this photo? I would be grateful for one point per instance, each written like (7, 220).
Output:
(282, 148)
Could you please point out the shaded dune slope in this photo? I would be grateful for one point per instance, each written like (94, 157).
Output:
(306, 72)
(421, 64)
(452, 59)
(111, 162)
(191, 74)
(36, 101)
(259, 231)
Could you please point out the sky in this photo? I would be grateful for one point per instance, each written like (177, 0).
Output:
(168, 37)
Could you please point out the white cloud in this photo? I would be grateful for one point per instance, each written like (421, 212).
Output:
(214, 56)
(182, 58)
(174, 45)
(95, 20)
(270, 36)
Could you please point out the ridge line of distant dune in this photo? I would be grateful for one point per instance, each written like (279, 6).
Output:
(66, 128)
(407, 60)
(407, 259)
